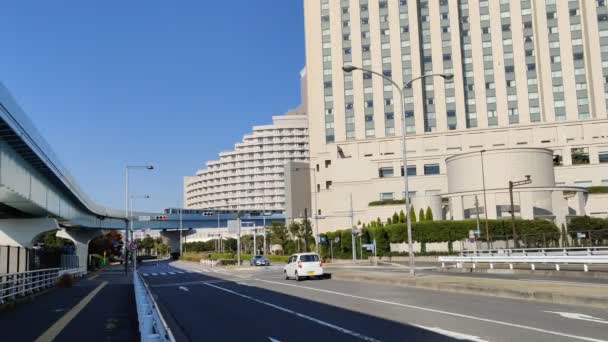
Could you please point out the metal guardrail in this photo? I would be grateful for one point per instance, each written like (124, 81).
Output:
(532, 256)
(152, 325)
(22, 284)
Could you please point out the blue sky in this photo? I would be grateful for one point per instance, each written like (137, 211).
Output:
(170, 83)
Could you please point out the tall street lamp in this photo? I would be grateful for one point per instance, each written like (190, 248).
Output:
(485, 202)
(127, 198)
(350, 68)
(513, 184)
(131, 219)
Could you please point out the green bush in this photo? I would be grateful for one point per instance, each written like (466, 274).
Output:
(386, 202)
(598, 189)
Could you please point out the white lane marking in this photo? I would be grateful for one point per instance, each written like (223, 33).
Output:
(145, 274)
(453, 334)
(582, 317)
(183, 288)
(481, 319)
(273, 339)
(93, 277)
(154, 274)
(179, 272)
(318, 321)
(172, 273)
(162, 273)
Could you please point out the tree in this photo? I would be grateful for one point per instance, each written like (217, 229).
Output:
(306, 233)
(395, 217)
(388, 221)
(379, 222)
(279, 235)
(421, 215)
(412, 214)
(402, 218)
(295, 230)
(429, 214)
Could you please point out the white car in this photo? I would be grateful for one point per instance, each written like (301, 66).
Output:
(303, 265)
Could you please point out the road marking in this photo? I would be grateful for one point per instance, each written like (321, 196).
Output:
(145, 274)
(171, 273)
(318, 321)
(273, 339)
(93, 277)
(58, 326)
(481, 319)
(452, 334)
(582, 317)
(162, 273)
(199, 282)
(183, 288)
(154, 274)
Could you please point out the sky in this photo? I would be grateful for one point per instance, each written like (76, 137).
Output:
(167, 83)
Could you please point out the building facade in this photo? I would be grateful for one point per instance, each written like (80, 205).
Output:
(527, 73)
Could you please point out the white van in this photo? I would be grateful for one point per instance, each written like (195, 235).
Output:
(303, 265)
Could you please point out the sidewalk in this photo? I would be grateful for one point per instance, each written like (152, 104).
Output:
(537, 290)
(99, 308)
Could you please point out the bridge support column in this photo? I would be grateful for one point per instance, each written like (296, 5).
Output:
(22, 232)
(81, 239)
(172, 238)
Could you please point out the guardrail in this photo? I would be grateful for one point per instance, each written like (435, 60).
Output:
(208, 262)
(152, 325)
(22, 284)
(532, 256)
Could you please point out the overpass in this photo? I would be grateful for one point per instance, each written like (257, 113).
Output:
(38, 194)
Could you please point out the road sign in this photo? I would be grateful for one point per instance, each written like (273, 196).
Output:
(323, 239)
(233, 226)
(471, 234)
(356, 231)
(144, 218)
(133, 245)
(336, 239)
(581, 235)
(368, 246)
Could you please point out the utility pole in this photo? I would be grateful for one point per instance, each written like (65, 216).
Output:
(352, 227)
(485, 203)
(477, 216)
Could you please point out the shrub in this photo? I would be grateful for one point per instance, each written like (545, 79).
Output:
(386, 202)
(598, 189)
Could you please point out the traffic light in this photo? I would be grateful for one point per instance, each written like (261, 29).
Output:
(208, 213)
(160, 217)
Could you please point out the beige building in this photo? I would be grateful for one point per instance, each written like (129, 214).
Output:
(527, 74)
(251, 177)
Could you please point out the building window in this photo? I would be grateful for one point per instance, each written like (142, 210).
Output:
(411, 171)
(603, 157)
(386, 172)
(328, 185)
(386, 196)
(557, 158)
(327, 163)
(584, 184)
(580, 155)
(431, 169)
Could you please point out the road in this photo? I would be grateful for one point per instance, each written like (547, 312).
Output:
(200, 303)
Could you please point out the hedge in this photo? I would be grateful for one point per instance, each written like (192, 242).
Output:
(598, 189)
(386, 202)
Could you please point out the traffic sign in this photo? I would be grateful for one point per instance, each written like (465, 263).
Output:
(144, 218)
(368, 246)
(133, 245)
(233, 226)
(336, 239)
(323, 239)
(356, 231)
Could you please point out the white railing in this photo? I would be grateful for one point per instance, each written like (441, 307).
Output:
(532, 256)
(22, 284)
(208, 262)
(152, 325)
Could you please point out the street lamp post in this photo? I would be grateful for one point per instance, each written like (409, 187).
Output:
(127, 195)
(485, 202)
(131, 219)
(412, 262)
(513, 184)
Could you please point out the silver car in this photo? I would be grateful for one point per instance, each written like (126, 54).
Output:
(259, 260)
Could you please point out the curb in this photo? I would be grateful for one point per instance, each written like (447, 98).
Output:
(539, 296)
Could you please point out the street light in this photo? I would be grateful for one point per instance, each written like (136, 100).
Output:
(131, 219)
(485, 202)
(351, 68)
(513, 184)
(127, 218)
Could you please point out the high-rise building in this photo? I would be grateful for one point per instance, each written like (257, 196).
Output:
(251, 177)
(526, 73)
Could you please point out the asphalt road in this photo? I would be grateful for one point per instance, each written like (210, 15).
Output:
(200, 303)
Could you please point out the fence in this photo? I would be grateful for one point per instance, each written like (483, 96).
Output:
(152, 325)
(532, 256)
(21, 284)
(15, 259)
(576, 238)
